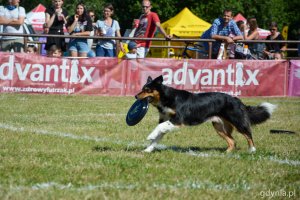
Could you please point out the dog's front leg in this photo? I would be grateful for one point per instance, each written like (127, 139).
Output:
(157, 134)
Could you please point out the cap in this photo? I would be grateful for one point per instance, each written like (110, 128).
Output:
(131, 45)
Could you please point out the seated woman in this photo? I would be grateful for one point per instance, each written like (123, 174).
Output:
(274, 50)
(256, 49)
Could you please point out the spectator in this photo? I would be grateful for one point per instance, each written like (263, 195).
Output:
(55, 19)
(54, 51)
(220, 31)
(274, 50)
(241, 25)
(234, 53)
(256, 49)
(79, 24)
(134, 70)
(91, 13)
(132, 48)
(298, 45)
(12, 18)
(148, 22)
(31, 49)
(110, 28)
(45, 28)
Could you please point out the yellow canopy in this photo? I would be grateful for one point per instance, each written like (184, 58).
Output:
(186, 24)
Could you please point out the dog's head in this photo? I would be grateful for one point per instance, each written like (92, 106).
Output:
(151, 90)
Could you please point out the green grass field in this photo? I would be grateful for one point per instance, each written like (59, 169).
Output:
(79, 147)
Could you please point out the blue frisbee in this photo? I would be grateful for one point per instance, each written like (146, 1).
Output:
(137, 112)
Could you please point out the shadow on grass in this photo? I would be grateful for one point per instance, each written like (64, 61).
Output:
(194, 149)
(160, 148)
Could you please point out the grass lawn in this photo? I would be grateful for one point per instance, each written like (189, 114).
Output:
(79, 147)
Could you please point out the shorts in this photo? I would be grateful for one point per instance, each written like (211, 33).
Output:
(103, 52)
(142, 52)
(80, 46)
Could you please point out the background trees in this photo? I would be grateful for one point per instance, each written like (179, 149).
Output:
(281, 11)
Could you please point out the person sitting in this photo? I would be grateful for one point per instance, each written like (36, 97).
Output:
(256, 49)
(233, 47)
(274, 50)
(223, 29)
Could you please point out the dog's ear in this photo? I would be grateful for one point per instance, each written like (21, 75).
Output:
(159, 80)
(149, 79)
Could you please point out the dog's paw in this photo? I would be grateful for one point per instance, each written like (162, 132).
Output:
(252, 150)
(149, 149)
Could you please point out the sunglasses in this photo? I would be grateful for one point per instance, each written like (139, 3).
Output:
(273, 29)
(145, 6)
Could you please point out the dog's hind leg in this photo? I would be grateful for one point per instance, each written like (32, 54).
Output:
(240, 120)
(249, 138)
(157, 134)
(245, 130)
(224, 129)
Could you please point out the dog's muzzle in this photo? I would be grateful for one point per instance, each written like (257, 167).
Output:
(149, 98)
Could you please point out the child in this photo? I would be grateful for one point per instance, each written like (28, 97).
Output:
(132, 50)
(31, 49)
(134, 72)
(54, 51)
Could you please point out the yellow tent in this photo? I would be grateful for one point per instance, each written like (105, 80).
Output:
(184, 25)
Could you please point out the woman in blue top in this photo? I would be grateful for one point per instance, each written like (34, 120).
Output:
(110, 28)
(79, 24)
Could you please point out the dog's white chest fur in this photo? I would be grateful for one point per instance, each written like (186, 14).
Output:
(165, 113)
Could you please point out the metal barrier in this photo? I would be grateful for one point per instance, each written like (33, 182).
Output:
(146, 39)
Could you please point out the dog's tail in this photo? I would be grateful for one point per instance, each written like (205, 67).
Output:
(261, 113)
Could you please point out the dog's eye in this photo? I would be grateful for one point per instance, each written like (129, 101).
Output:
(148, 90)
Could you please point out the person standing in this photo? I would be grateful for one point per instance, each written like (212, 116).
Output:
(110, 28)
(55, 20)
(91, 13)
(12, 18)
(79, 24)
(148, 22)
(223, 30)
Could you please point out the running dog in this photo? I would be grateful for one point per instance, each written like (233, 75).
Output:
(181, 108)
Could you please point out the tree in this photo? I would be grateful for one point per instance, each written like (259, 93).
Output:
(281, 11)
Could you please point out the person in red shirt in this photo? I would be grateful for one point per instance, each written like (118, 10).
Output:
(148, 22)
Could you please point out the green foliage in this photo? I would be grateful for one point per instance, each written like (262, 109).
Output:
(281, 11)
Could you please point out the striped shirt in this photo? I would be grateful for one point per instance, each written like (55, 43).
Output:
(218, 28)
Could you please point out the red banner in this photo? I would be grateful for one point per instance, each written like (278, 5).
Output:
(294, 78)
(27, 73)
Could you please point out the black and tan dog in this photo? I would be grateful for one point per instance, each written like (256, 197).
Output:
(182, 108)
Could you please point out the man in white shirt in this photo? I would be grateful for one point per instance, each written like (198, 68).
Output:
(12, 18)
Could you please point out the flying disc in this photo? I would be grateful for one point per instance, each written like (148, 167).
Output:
(137, 112)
